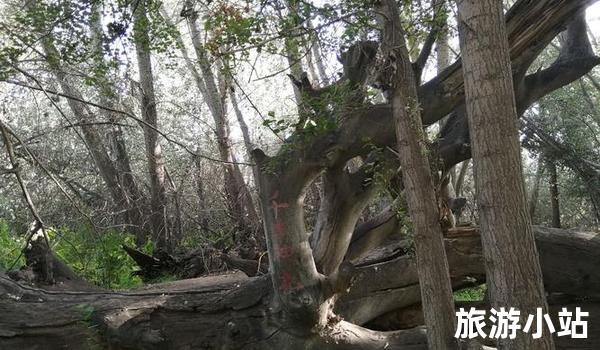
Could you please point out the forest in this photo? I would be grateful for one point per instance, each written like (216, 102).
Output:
(299, 174)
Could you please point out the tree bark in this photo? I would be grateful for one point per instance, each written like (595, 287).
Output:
(344, 199)
(512, 263)
(432, 264)
(154, 156)
(460, 179)
(535, 191)
(554, 202)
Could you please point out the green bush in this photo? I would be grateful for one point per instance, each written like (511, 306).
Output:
(470, 294)
(96, 256)
(10, 248)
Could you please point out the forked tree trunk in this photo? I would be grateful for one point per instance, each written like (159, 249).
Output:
(512, 262)
(432, 264)
(125, 198)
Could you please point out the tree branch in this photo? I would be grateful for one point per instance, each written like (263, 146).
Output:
(436, 27)
(345, 195)
(576, 59)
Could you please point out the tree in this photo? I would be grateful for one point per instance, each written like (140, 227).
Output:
(326, 287)
(512, 263)
(554, 200)
(117, 175)
(156, 165)
(533, 199)
(432, 265)
(215, 90)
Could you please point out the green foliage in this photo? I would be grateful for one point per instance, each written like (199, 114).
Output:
(380, 175)
(276, 125)
(359, 21)
(67, 21)
(162, 35)
(99, 258)
(10, 248)
(231, 26)
(570, 118)
(8, 55)
(471, 294)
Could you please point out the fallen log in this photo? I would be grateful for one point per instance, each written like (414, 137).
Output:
(411, 316)
(199, 262)
(235, 311)
(569, 262)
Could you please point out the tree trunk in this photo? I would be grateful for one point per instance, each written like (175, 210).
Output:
(156, 165)
(317, 58)
(553, 181)
(442, 48)
(535, 191)
(239, 199)
(447, 189)
(432, 264)
(248, 144)
(292, 48)
(106, 167)
(512, 262)
(135, 200)
(199, 185)
(460, 179)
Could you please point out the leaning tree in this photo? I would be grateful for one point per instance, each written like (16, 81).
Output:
(329, 288)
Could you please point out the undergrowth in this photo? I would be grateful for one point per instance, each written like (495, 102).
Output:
(97, 257)
(470, 294)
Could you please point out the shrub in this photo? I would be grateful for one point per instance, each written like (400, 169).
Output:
(10, 248)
